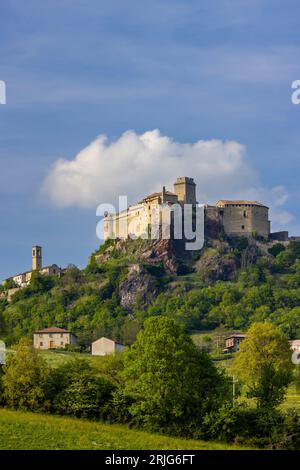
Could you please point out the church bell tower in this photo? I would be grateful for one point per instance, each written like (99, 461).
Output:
(36, 257)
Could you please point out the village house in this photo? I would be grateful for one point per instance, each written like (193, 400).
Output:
(232, 342)
(295, 344)
(23, 279)
(53, 338)
(104, 346)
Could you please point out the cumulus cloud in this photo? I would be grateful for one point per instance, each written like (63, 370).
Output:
(135, 165)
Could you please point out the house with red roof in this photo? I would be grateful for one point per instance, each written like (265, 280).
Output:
(53, 338)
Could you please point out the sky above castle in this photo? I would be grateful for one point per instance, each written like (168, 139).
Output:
(120, 97)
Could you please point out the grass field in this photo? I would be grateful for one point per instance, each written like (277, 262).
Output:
(56, 358)
(31, 431)
(292, 399)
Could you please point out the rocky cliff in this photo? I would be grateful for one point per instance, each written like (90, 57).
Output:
(151, 264)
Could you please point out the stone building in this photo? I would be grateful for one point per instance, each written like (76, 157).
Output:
(104, 346)
(136, 219)
(232, 342)
(235, 218)
(23, 279)
(53, 338)
(243, 218)
(295, 344)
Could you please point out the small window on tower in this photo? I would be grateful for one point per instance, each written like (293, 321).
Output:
(243, 227)
(33, 253)
(245, 213)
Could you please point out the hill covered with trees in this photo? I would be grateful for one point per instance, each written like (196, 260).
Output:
(230, 283)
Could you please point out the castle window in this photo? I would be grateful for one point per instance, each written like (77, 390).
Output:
(41, 343)
(243, 227)
(245, 213)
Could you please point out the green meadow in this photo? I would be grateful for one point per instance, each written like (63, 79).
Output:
(33, 431)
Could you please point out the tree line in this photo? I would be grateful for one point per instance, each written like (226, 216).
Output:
(163, 383)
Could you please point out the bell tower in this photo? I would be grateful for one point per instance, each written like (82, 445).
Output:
(36, 257)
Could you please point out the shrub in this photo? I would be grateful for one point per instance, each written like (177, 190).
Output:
(75, 389)
(1, 386)
(156, 270)
(118, 409)
(85, 396)
(254, 427)
(288, 437)
(25, 377)
(276, 249)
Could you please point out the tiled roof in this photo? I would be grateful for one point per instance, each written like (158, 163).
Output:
(236, 335)
(241, 202)
(168, 193)
(53, 329)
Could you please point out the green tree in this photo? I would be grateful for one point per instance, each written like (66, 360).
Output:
(25, 377)
(297, 378)
(264, 364)
(76, 389)
(172, 384)
(276, 249)
(9, 284)
(1, 385)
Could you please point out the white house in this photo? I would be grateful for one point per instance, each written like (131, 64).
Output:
(104, 346)
(295, 344)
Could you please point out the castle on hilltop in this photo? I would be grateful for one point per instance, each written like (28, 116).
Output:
(236, 218)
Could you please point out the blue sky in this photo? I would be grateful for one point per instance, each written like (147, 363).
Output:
(195, 70)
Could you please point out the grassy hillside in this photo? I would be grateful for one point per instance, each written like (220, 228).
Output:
(25, 431)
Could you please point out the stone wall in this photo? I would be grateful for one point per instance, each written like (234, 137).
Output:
(243, 220)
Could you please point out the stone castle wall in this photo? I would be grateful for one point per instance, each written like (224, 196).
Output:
(243, 220)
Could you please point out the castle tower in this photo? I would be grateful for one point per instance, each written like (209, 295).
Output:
(185, 188)
(36, 257)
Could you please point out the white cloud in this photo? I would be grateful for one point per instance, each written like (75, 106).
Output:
(135, 165)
